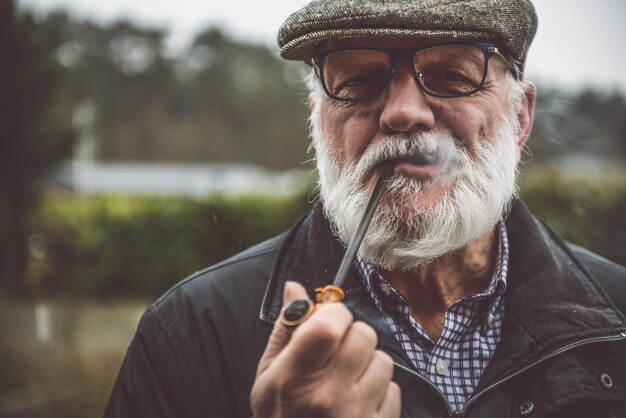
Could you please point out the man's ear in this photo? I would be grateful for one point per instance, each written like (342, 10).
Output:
(526, 115)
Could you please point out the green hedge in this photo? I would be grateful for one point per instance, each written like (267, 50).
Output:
(589, 211)
(114, 245)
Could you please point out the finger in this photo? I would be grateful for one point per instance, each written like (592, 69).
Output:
(356, 352)
(293, 291)
(280, 334)
(377, 377)
(391, 405)
(315, 341)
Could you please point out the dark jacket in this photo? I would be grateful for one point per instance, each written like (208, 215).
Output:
(562, 353)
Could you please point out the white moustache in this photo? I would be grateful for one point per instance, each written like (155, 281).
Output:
(424, 147)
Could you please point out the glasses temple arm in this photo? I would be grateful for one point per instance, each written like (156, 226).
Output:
(494, 51)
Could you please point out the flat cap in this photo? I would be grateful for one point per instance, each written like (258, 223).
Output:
(507, 23)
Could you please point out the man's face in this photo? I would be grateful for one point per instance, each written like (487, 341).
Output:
(456, 161)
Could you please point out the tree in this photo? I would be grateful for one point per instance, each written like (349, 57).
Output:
(32, 137)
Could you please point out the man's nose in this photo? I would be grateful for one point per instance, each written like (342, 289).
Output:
(407, 108)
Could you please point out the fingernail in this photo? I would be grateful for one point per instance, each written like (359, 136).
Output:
(288, 290)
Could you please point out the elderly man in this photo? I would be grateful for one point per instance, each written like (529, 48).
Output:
(459, 304)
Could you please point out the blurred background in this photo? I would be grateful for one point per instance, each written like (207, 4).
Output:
(143, 140)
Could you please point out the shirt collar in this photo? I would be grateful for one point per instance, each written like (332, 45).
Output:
(379, 289)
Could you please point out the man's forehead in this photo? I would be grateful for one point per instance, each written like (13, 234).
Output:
(381, 42)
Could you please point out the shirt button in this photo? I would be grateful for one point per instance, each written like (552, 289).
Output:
(490, 320)
(441, 367)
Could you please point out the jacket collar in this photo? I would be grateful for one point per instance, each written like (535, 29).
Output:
(310, 255)
(551, 294)
(551, 299)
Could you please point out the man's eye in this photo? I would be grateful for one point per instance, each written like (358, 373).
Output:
(358, 80)
(449, 81)
(451, 76)
(357, 84)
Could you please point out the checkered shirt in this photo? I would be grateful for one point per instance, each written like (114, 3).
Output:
(471, 332)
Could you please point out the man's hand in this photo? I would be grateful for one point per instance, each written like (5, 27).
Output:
(326, 367)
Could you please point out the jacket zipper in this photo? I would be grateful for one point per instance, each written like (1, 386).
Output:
(608, 338)
(428, 382)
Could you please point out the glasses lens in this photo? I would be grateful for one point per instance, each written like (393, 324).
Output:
(356, 74)
(451, 70)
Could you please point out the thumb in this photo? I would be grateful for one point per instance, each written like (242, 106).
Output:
(293, 291)
(281, 333)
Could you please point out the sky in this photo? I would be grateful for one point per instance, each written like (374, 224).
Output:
(578, 42)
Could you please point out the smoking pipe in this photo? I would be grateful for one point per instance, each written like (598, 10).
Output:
(300, 310)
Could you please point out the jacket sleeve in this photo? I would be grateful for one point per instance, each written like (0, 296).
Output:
(150, 383)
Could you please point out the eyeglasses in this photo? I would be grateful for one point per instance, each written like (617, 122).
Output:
(444, 70)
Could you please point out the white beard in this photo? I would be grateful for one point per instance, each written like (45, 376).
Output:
(404, 234)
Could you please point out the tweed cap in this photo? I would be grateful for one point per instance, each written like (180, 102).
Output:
(507, 23)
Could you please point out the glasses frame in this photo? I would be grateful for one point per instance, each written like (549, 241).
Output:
(489, 50)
